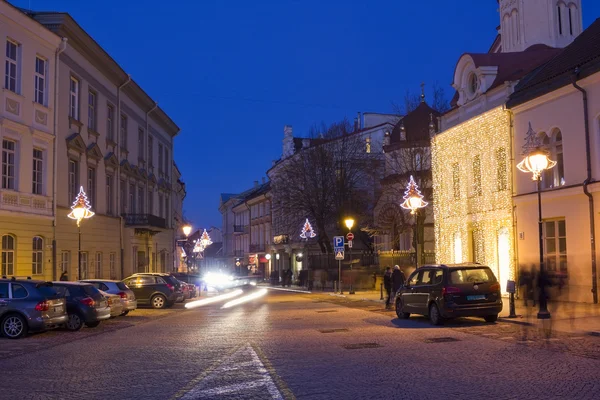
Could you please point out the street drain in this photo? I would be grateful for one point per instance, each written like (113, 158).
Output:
(441, 340)
(326, 311)
(333, 330)
(355, 346)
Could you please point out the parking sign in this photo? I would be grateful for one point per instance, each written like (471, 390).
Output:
(338, 242)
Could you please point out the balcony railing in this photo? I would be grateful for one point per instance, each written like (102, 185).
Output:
(145, 221)
(238, 229)
(257, 248)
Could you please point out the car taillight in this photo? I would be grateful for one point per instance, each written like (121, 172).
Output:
(170, 287)
(42, 306)
(123, 295)
(450, 290)
(88, 301)
(495, 287)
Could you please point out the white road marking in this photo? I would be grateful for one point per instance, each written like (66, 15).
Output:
(245, 358)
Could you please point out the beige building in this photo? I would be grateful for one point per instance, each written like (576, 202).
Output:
(115, 142)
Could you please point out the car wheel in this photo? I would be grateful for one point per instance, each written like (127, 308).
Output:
(399, 313)
(92, 324)
(491, 318)
(124, 313)
(158, 301)
(14, 326)
(434, 315)
(75, 322)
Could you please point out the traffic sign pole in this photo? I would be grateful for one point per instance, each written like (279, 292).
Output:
(350, 236)
(340, 275)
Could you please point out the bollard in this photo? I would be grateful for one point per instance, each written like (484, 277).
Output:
(334, 286)
(512, 306)
(381, 290)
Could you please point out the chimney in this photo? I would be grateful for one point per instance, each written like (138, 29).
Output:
(287, 131)
(288, 142)
(255, 184)
(355, 124)
(359, 121)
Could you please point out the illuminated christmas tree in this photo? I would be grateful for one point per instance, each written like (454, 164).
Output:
(413, 199)
(205, 239)
(307, 231)
(81, 207)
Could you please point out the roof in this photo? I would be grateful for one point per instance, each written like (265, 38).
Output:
(416, 124)
(582, 54)
(254, 192)
(226, 196)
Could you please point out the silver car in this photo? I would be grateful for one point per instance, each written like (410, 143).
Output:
(114, 302)
(120, 289)
(28, 305)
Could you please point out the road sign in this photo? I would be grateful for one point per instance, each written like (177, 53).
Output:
(338, 243)
(339, 255)
(350, 244)
(350, 236)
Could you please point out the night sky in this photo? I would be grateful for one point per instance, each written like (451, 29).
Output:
(232, 73)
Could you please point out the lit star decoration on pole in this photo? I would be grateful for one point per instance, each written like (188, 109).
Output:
(413, 199)
(307, 231)
(81, 207)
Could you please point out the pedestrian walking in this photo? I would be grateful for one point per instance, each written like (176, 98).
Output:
(63, 276)
(398, 279)
(374, 280)
(387, 285)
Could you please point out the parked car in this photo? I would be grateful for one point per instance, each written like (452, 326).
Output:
(27, 305)
(85, 304)
(114, 302)
(119, 288)
(154, 289)
(449, 291)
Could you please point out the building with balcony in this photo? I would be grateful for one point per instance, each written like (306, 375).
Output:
(27, 137)
(115, 142)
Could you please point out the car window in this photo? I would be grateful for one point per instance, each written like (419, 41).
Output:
(471, 275)
(47, 290)
(18, 291)
(122, 286)
(90, 290)
(95, 284)
(62, 291)
(103, 287)
(413, 278)
(424, 278)
(437, 275)
(160, 280)
(3, 290)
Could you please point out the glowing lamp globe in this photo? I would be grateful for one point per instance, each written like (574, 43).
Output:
(187, 229)
(536, 162)
(80, 209)
(268, 256)
(413, 199)
(349, 223)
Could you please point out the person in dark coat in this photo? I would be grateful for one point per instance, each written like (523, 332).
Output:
(387, 285)
(398, 279)
(63, 276)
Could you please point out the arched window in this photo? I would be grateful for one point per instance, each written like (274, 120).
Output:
(555, 177)
(37, 256)
(8, 255)
(418, 161)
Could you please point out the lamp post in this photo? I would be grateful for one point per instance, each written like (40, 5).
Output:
(413, 201)
(80, 211)
(536, 160)
(187, 229)
(349, 224)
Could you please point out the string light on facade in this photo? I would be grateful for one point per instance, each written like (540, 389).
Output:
(413, 199)
(307, 231)
(537, 158)
(81, 208)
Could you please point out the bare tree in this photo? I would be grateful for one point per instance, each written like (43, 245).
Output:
(323, 181)
(439, 100)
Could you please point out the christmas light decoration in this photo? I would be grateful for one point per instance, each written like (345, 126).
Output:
(413, 199)
(536, 155)
(81, 208)
(307, 231)
(466, 222)
(205, 240)
(198, 248)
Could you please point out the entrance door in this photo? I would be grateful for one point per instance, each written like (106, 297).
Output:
(141, 261)
(503, 258)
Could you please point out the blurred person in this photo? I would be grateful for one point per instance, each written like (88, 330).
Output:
(398, 279)
(374, 280)
(525, 284)
(64, 276)
(387, 284)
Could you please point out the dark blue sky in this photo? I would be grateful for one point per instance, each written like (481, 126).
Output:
(232, 73)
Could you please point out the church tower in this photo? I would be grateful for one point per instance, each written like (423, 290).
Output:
(524, 23)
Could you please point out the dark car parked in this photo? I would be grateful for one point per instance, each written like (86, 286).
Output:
(154, 289)
(85, 304)
(28, 305)
(449, 291)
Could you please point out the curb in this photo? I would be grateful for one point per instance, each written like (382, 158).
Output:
(594, 333)
(514, 321)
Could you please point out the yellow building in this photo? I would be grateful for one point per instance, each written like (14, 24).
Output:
(472, 193)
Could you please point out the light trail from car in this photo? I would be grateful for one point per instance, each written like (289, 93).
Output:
(245, 299)
(215, 299)
(288, 290)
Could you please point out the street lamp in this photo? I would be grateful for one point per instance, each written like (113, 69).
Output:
(80, 211)
(187, 229)
(349, 224)
(537, 161)
(413, 201)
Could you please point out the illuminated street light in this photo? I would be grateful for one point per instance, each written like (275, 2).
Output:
(349, 223)
(413, 201)
(187, 229)
(537, 161)
(268, 256)
(80, 211)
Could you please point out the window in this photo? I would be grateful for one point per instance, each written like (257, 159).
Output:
(65, 258)
(167, 213)
(166, 170)
(570, 21)
(368, 140)
(141, 144)
(37, 259)
(38, 168)
(456, 180)
(98, 265)
(141, 200)
(91, 186)
(18, 291)
(109, 194)
(8, 164)
(131, 198)
(502, 173)
(12, 68)
(150, 149)
(92, 108)
(160, 205)
(150, 202)
(418, 161)
(110, 123)
(112, 257)
(40, 81)
(8, 255)
(477, 189)
(160, 158)
(124, 131)
(473, 83)
(560, 27)
(84, 265)
(4, 290)
(555, 245)
(123, 195)
(74, 99)
(554, 177)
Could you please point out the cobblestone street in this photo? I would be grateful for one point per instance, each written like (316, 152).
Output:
(290, 345)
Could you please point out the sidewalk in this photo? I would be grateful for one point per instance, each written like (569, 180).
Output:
(575, 318)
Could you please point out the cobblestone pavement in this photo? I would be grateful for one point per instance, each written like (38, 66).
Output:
(289, 345)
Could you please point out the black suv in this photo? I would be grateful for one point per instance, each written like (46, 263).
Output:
(155, 289)
(449, 291)
(85, 304)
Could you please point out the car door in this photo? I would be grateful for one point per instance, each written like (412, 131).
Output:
(422, 291)
(4, 302)
(135, 285)
(408, 293)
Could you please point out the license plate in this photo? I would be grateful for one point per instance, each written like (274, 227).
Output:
(476, 297)
(58, 309)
